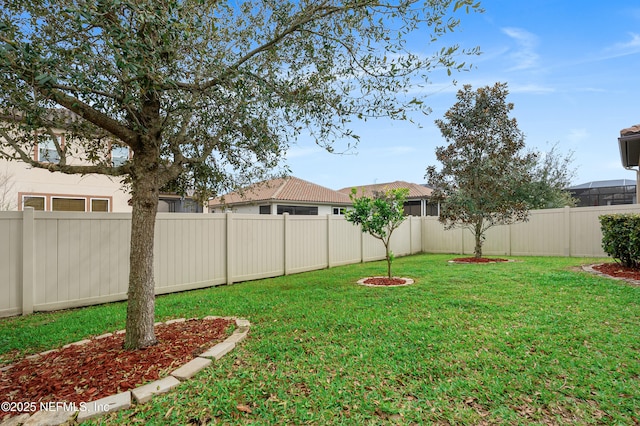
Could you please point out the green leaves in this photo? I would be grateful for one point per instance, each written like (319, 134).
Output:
(484, 168)
(621, 238)
(45, 80)
(379, 215)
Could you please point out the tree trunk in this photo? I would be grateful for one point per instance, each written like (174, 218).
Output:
(478, 234)
(388, 257)
(141, 293)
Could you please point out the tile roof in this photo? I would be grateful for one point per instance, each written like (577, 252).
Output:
(283, 189)
(415, 190)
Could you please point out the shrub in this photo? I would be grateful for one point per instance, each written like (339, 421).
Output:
(621, 238)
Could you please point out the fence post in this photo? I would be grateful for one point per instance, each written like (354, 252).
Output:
(361, 244)
(329, 241)
(567, 231)
(28, 260)
(423, 234)
(285, 220)
(410, 234)
(229, 236)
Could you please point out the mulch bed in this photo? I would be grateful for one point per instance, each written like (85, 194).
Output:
(382, 281)
(100, 368)
(618, 271)
(478, 260)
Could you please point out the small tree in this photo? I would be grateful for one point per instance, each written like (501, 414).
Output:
(551, 175)
(379, 216)
(484, 169)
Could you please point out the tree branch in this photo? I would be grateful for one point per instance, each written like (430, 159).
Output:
(63, 168)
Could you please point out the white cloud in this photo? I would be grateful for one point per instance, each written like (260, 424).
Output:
(525, 56)
(631, 45)
(577, 135)
(530, 88)
(299, 152)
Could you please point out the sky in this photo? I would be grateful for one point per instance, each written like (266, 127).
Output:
(572, 70)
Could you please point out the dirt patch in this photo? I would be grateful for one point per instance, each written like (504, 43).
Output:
(100, 367)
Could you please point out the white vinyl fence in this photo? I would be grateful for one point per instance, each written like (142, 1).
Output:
(57, 260)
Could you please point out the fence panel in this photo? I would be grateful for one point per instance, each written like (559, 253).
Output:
(11, 263)
(56, 260)
(345, 241)
(255, 246)
(553, 232)
(586, 234)
(543, 233)
(80, 258)
(189, 251)
(438, 240)
(416, 234)
(307, 243)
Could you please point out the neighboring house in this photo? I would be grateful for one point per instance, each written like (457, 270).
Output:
(43, 190)
(629, 143)
(417, 203)
(283, 195)
(22, 185)
(174, 203)
(605, 193)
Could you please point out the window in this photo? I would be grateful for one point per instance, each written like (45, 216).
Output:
(265, 209)
(99, 205)
(339, 211)
(68, 204)
(119, 154)
(47, 152)
(412, 208)
(36, 202)
(432, 209)
(298, 210)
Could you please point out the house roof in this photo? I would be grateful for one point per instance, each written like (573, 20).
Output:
(283, 189)
(415, 190)
(605, 184)
(629, 144)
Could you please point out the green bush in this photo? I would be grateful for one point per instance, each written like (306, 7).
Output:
(621, 238)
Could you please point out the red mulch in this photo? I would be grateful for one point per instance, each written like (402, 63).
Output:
(385, 281)
(100, 368)
(619, 271)
(479, 260)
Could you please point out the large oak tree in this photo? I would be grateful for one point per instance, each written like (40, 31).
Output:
(209, 91)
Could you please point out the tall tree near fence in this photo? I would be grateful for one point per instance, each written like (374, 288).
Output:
(379, 215)
(212, 92)
(484, 169)
(552, 173)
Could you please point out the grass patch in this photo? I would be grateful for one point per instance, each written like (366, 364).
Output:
(524, 342)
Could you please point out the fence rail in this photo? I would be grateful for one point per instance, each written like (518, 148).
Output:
(57, 260)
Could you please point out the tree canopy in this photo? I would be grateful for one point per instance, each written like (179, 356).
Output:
(379, 215)
(208, 92)
(551, 175)
(484, 167)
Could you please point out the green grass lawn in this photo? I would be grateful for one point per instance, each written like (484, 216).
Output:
(528, 342)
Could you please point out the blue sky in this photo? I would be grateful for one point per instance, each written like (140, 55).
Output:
(572, 70)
